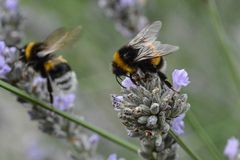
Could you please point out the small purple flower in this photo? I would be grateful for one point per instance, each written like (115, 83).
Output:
(35, 152)
(180, 78)
(93, 139)
(128, 83)
(11, 4)
(231, 148)
(64, 102)
(116, 102)
(112, 156)
(178, 124)
(4, 67)
(2, 47)
(126, 3)
(38, 80)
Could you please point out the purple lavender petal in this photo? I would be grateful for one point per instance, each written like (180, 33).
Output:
(2, 47)
(178, 124)
(12, 49)
(116, 101)
(94, 139)
(180, 78)
(4, 68)
(37, 80)
(128, 83)
(11, 4)
(126, 3)
(64, 102)
(35, 152)
(112, 156)
(231, 148)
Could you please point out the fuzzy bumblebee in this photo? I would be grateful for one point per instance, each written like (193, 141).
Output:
(142, 52)
(40, 56)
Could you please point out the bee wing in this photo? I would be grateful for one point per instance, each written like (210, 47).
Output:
(146, 35)
(153, 50)
(59, 39)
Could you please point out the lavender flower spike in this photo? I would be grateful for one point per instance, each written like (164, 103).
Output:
(180, 78)
(231, 148)
(178, 124)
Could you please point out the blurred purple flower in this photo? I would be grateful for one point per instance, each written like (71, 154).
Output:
(64, 102)
(2, 47)
(35, 152)
(231, 148)
(11, 4)
(180, 78)
(4, 67)
(93, 139)
(112, 156)
(128, 83)
(178, 124)
(126, 3)
(38, 80)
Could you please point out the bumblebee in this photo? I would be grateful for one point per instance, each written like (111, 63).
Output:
(142, 52)
(40, 56)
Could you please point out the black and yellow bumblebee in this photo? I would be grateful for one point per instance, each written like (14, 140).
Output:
(142, 52)
(40, 56)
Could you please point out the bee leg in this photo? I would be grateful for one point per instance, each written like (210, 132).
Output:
(131, 78)
(163, 78)
(50, 90)
(117, 79)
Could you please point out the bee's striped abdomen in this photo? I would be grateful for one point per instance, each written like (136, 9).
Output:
(61, 74)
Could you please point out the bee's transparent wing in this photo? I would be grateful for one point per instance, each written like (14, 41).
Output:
(153, 50)
(146, 35)
(59, 39)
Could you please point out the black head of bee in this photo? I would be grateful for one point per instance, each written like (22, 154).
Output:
(30, 51)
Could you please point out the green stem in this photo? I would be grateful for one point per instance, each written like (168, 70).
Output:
(223, 40)
(183, 145)
(204, 136)
(69, 117)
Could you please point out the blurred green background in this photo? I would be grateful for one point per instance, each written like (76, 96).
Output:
(212, 94)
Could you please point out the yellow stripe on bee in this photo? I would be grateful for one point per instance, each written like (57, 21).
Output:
(28, 50)
(121, 64)
(50, 64)
(155, 61)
